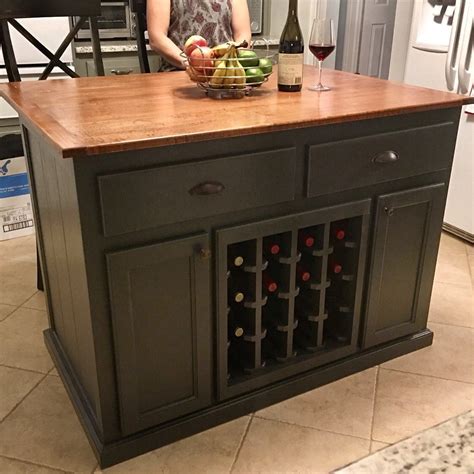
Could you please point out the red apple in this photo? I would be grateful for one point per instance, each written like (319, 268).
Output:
(192, 43)
(201, 60)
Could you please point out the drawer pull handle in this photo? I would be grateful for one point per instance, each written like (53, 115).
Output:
(386, 157)
(390, 211)
(121, 72)
(206, 189)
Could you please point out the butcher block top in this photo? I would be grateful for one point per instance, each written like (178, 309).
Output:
(92, 116)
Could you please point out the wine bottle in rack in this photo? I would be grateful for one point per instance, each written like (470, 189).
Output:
(290, 58)
(303, 274)
(335, 267)
(269, 285)
(236, 257)
(338, 233)
(306, 240)
(235, 331)
(271, 248)
(236, 293)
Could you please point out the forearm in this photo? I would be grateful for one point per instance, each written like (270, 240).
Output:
(166, 48)
(241, 21)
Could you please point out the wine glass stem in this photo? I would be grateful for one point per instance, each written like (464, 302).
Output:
(320, 65)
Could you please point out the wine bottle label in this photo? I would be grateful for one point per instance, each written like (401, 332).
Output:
(290, 69)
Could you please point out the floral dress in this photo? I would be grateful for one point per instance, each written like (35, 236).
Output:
(211, 19)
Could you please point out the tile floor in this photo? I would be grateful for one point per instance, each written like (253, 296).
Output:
(315, 432)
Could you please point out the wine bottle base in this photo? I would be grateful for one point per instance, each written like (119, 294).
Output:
(283, 88)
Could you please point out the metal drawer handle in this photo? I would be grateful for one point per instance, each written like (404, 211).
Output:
(390, 211)
(386, 157)
(206, 189)
(121, 72)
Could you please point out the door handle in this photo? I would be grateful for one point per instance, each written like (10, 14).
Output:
(465, 62)
(390, 211)
(206, 189)
(386, 157)
(451, 67)
(121, 72)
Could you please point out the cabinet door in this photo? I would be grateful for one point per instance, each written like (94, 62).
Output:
(407, 231)
(161, 321)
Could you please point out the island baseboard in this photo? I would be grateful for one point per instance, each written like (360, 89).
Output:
(118, 451)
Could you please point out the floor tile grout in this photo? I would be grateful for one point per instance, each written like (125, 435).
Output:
(27, 370)
(450, 325)
(22, 399)
(9, 314)
(21, 307)
(423, 430)
(311, 428)
(35, 464)
(425, 375)
(239, 448)
(465, 286)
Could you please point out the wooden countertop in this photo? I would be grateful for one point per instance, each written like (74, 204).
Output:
(90, 116)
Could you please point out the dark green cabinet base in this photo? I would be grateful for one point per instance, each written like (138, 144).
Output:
(140, 443)
(151, 340)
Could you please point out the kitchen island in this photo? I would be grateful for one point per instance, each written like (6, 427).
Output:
(204, 259)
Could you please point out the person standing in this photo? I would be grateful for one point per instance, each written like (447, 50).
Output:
(172, 22)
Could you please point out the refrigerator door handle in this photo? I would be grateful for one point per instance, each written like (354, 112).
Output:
(451, 68)
(466, 60)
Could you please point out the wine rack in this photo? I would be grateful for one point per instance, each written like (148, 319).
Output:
(289, 294)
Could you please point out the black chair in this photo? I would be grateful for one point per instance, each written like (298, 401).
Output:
(10, 18)
(138, 8)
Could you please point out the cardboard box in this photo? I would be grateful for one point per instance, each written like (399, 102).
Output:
(16, 213)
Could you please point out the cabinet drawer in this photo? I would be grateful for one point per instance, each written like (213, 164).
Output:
(349, 164)
(149, 198)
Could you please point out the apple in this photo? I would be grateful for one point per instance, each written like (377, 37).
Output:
(194, 42)
(202, 60)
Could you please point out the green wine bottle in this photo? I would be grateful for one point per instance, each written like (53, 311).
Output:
(291, 52)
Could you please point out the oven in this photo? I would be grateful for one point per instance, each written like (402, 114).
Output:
(116, 21)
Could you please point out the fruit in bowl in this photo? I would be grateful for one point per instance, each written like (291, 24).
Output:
(248, 58)
(202, 60)
(194, 42)
(266, 66)
(254, 76)
(230, 66)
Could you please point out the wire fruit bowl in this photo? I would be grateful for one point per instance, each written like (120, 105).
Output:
(232, 71)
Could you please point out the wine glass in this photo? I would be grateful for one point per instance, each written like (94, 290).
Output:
(322, 44)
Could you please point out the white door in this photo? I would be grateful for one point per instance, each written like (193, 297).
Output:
(376, 38)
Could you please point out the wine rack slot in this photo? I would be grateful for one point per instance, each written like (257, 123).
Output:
(292, 295)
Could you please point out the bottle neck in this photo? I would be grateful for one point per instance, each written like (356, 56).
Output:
(293, 9)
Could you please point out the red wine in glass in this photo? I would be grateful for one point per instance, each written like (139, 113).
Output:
(322, 44)
(321, 51)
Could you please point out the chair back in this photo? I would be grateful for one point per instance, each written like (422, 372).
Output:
(138, 7)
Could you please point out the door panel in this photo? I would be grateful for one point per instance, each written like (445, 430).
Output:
(407, 231)
(376, 39)
(161, 319)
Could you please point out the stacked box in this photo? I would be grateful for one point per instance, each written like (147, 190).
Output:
(16, 213)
